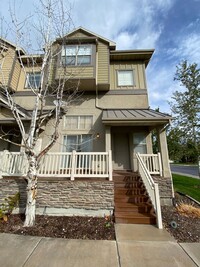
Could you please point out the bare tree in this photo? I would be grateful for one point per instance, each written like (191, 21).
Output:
(53, 21)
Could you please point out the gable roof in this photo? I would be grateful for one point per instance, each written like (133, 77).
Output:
(17, 48)
(92, 34)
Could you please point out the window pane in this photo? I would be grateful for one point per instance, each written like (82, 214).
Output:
(80, 143)
(71, 122)
(125, 78)
(84, 50)
(139, 141)
(70, 143)
(70, 51)
(85, 122)
(33, 80)
(139, 138)
(86, 143)
(83, 60)
(70, 60)
(141, 149)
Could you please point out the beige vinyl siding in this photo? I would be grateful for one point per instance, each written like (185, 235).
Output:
(55, 62)
(6, 62)
(103, 63)
(75, 72)
(139, 79)
(15, 75)
(79, 35)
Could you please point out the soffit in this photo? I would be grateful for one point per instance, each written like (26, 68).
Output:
(136, 55)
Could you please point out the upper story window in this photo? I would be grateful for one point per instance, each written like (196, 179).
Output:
(76, 55)
(125, 78)
(82, 122)
(33, 80)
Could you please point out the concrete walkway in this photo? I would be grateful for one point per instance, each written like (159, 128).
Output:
(135, 245)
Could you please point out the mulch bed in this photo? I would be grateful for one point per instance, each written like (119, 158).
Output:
(61, 227)
(184, 229)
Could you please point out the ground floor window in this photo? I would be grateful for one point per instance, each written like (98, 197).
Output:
(79, 143)
(139, 143)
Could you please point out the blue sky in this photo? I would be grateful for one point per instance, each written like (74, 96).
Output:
(172, 27)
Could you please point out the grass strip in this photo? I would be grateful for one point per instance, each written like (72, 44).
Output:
(187, 185)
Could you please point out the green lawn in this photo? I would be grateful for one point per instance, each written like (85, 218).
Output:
(187, 185)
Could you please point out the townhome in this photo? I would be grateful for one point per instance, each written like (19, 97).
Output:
(110, 120)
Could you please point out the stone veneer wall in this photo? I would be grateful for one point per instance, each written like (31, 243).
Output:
(165, 189)
(63, 194)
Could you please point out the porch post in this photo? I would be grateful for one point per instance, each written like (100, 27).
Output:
(108, 138)
(162, 141)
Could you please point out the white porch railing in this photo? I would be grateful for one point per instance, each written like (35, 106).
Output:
(152, 163)
(65, 164)
(151, 187)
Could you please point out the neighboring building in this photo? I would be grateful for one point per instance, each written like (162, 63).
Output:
(113, 111)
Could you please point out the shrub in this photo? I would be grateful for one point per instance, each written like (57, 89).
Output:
(6, 208)
(188, 210)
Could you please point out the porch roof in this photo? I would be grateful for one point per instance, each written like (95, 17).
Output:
(143, 117)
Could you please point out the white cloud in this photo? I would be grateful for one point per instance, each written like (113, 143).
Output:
(130, 24)
(187, 47)
(161, 86)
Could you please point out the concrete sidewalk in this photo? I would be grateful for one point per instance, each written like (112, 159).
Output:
(135, 245)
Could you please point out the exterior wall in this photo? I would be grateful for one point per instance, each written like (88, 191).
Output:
(64, 195)
(76, 72)
(138, 73)
(123, 101)
(103, 64)
(6, 62)
(79, 35)
(165, 189)
(86, 106)
(16, 74)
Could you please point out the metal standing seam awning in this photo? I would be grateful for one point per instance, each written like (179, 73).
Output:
(134, 117)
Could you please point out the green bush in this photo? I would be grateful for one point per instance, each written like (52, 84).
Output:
(8, 205)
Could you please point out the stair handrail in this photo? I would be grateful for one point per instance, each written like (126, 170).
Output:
(152, 189)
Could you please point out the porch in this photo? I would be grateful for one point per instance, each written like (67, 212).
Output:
(72, 164)
(95, 167)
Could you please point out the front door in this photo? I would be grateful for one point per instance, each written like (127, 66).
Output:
(121, 151)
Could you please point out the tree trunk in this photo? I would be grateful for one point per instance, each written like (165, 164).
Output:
(31, 192)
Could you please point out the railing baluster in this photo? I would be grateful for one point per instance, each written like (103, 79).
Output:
(81, 164)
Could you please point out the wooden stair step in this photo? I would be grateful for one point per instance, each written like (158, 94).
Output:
(131, 201)
(124, 198)
(135, 218)
(129, 192)
(126, 204)
(126, 178)
(128, 185)
(131, 208)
